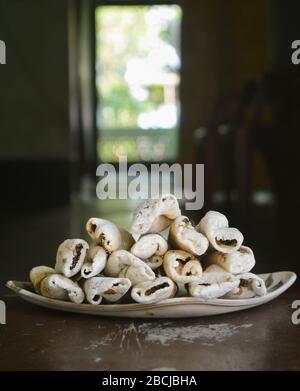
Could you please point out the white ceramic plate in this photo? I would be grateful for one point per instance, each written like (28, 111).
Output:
(178, 307)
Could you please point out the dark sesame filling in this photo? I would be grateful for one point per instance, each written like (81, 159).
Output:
(156, 288)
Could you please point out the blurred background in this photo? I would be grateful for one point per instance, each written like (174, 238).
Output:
(190, 81)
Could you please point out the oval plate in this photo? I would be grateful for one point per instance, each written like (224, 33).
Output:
(178, 307)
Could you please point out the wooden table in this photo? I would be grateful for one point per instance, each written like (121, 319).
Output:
(262, 338)
(34, 338)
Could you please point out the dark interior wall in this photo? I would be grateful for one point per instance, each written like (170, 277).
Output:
(199, 73)
(244, 34)
(34, 124)
(34, 82)
(285, 28)
(224, 43)
(246, 38)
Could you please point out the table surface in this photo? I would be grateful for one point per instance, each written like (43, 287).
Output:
(262, 338)
(34, 338)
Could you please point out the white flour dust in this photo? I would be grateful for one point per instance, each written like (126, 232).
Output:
(166, 333)
(208, 335)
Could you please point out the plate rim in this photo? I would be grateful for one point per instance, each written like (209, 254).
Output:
(175, 301)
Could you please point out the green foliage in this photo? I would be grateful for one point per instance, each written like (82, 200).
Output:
(122, 35)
